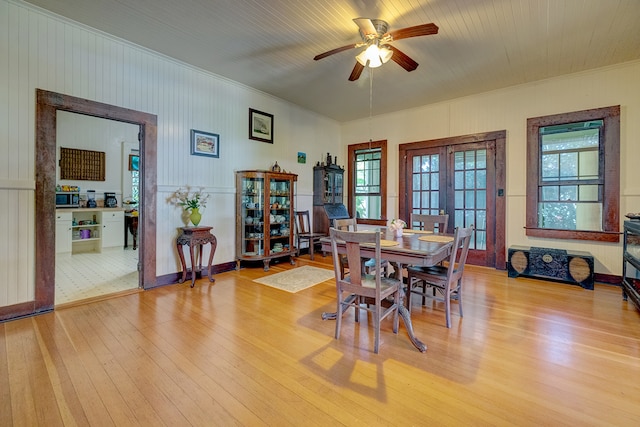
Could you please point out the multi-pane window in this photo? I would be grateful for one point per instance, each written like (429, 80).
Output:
(571, 182)
(368, 196)
(135, 186)
(367, 182)
(573, 175)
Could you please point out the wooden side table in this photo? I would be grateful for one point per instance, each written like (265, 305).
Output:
(192, 237)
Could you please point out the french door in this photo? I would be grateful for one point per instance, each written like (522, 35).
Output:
(463, 177)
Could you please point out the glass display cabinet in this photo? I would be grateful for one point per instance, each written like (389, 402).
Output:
(631, 262)
(264, 216)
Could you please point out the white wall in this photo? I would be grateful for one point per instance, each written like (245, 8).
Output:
(508, 109)
(40, 50)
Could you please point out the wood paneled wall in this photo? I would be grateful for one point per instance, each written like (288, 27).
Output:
(40, 50)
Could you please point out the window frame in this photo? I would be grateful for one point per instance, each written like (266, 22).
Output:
(610, 145)
(382, 144)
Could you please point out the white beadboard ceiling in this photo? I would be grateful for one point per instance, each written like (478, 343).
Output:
(482, 45)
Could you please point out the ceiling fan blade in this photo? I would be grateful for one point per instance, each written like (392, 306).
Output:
(357, 70)
(418, 30)
(402, 59)
(336, 50)
(366, 26)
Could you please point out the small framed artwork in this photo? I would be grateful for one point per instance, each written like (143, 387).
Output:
(134, 162)
(260, 126)
(205, 143)
(302, 157)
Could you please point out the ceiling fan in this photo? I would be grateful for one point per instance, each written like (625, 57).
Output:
(377, 39)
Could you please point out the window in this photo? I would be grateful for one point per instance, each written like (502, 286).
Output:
(573, 178)
(367, 182)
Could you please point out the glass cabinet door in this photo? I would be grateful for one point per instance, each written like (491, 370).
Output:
(252, 208)
(279, 209)
(338, 188)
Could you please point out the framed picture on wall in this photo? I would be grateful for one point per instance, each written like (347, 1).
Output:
(260, 126)
(205, 144)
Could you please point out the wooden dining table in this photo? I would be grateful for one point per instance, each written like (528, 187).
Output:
(414, 247)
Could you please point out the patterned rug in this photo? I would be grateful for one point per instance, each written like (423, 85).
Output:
(297, 279)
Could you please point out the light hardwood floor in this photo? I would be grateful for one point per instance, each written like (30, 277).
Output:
(527, 352)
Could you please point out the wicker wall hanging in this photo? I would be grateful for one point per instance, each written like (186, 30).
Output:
(85, 165)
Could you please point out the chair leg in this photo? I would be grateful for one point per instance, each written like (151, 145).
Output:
(376, 315)
(396, 320)
(460, 297)
(311, 245)
(339, 314)
(447, 307)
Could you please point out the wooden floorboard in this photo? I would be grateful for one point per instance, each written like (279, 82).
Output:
(526, 352)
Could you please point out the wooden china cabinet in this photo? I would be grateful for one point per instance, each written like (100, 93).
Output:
(264, 216)
(328, 192)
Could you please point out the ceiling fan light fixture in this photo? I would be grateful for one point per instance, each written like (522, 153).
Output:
(374, 56)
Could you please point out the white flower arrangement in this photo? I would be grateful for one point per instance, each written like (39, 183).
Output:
(188, 201)
(397, 224)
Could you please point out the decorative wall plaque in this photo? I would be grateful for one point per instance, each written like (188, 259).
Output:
(84, 165)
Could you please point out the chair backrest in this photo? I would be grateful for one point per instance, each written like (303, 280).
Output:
(347, 224)
(459, 252)
(352, 241)
(439, 223)
(303, 224)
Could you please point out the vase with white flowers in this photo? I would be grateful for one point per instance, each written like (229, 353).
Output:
(397, 225)
(191, 203)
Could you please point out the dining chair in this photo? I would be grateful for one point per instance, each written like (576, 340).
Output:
(304, 233)
(446, 280)
(357, 286)
(434, 223)
(351, 224)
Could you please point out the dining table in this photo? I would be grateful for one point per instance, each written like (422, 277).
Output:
(413, 247)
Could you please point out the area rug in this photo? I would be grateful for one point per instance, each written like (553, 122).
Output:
(297, 279)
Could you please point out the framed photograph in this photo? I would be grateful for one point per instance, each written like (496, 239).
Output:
(260, 126)
(302, 157)
(205, 143)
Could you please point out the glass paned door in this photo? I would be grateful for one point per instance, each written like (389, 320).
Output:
(425, 184)
(458, 180)
(470, 194)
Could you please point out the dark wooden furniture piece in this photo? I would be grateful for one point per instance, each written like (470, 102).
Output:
(409, 251)
(353, 288)
(130, 226)
(264, 216)
(631, 262)
(304, 233)
(552, 264)
(195, 237)
(446, 280)
(328, 195)
(439, 223)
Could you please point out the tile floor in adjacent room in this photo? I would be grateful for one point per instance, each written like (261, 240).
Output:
(87, 275)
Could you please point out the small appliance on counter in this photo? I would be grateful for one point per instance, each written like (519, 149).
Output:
(110, 200)
(67, 199)
(91, 199)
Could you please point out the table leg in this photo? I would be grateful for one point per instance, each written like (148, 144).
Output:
(182, 262)
(214, 245)
(193, 265)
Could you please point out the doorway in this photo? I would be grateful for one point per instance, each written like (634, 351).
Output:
(464, 177)
(99, 263)
(47, 105)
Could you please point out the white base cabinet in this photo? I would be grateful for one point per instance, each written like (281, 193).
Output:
(63, 232)
(80, 230)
